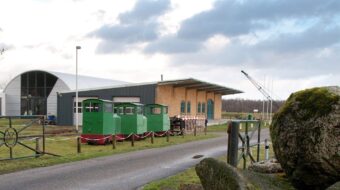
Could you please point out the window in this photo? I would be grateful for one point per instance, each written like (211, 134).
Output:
(129, 110)
(80, 108)
(35, 91)
(96, 107)
(188, 107)
(108, 107)
(203, 107)
(87, 107)
(183, 107)
(119, 110)
(199, 107)
(92, 107)
(156, 111)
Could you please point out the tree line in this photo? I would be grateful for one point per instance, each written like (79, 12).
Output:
(248, 106)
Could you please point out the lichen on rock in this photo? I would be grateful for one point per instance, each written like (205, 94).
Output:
(306, 137)
(217, 175)
(266, 166)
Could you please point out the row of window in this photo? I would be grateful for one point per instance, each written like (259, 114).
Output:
(186, 107)
(95, 107)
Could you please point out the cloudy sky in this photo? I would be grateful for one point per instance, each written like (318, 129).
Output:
(286, 44)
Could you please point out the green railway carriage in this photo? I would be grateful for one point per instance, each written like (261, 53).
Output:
(99, 121)
(157, 117)
(132, 118)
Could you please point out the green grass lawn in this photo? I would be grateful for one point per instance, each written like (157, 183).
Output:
(66, 146)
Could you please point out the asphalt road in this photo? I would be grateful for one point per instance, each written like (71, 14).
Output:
(119, 172)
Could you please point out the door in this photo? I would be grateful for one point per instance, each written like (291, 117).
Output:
(80, 109)
(210, 109)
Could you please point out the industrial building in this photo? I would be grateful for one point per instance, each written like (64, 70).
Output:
(52, 93)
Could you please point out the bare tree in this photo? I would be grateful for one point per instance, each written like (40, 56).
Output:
(248, 106)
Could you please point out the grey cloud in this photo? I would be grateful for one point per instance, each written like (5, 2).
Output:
(316, 37)
(233, 18)
(106, 47)
(145, 9)
(171, 45)
(141, 32)
(136, 26)
(289, 65)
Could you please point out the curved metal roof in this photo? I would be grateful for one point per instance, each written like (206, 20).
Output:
(84, 82)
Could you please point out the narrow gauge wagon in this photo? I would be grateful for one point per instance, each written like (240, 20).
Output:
(132, 119)
(157, 117)
(99, 121)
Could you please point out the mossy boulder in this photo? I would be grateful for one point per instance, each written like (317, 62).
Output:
(306, 137)
(217, 175)
(335, 186)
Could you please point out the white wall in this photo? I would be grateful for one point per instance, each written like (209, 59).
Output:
(13, 99)
(52, 98)
(126, 99)
(3, 101)
(80, 109)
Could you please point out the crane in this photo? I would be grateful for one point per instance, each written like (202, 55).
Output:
(260, 88)
(265, 94)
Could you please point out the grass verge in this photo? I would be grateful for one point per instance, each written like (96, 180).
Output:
(67, 148)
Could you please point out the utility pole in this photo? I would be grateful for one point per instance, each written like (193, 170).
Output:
(77, 119)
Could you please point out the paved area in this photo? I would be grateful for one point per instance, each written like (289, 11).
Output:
(122, 172)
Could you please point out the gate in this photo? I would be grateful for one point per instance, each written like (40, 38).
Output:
(18, 134)
(251, 127)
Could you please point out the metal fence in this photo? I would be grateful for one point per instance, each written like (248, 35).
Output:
(237, 133)
(18, 134)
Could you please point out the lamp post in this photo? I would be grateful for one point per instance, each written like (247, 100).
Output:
(77, 119)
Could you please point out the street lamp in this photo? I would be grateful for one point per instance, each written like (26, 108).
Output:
(77, 119)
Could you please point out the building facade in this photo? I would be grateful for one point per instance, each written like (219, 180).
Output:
(184, 97)
(35, 92)
(50, 93)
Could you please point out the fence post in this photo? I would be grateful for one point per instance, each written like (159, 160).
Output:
(37, 148)
(247, 143)
(195, 131)
(44, 140)
(133, 140)
(258, 141)
(78, 145)
(266, 147)
(167, 136)
(114, 141)
(152, 137)
(233, 144)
